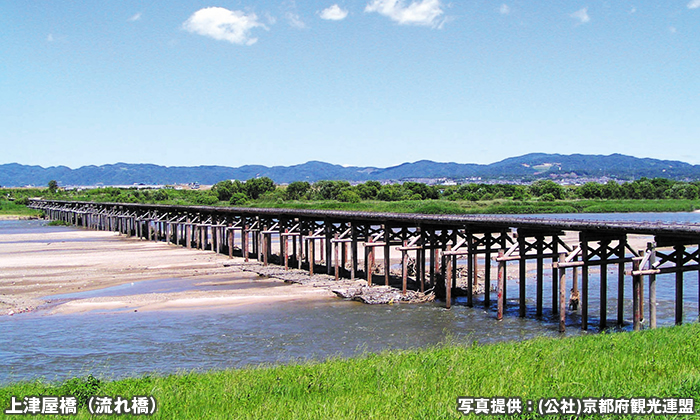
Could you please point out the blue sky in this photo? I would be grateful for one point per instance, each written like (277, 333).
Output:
(369, 83)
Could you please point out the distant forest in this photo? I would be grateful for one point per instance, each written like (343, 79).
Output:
(265, 190)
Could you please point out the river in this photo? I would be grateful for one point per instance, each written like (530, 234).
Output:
(113, 345)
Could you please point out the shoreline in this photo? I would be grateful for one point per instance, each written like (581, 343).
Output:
(36, 266)
(17, 217)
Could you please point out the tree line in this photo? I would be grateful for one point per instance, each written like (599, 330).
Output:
(263, 189)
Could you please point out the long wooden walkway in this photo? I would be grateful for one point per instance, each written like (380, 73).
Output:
(332, 239)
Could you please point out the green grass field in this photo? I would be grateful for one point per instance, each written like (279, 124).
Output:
(10, 208)
(423, 383)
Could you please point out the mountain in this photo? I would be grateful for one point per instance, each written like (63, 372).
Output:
(527, 167)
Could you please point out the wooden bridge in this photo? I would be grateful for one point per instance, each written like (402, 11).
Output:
(331, 240)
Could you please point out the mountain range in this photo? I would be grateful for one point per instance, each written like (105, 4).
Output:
(522, 168)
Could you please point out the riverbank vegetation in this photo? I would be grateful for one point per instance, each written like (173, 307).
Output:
(543, 196)
(16, 207)
(423, 383)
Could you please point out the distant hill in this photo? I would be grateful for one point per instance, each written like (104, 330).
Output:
(527, 167)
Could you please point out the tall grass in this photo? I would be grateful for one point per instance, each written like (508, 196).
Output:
(424, 384)
(10, 208)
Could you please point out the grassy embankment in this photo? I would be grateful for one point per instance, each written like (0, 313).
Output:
(10, 208)
(425, 383)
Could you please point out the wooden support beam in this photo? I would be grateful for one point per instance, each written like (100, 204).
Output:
(636, 298)
(501, 284)
(487, 270)
(387, 254)
(540, 275)
(448, 279)
(562, 295)
(231, 241)
(311, 256)
(284, 242)
(555, 274)
(328, 247)
(584, 284)
(353, 251)
(404, 269)
(651, 251)
(621, 282)
(522, 268)
(337, 259)
(470, 270)
(679, 250)
(369, 261)
(604, 285)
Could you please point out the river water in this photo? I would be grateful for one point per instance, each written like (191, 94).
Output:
(117, 344)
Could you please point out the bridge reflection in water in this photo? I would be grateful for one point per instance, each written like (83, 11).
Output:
(331, 241)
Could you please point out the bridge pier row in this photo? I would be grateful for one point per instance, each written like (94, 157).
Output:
(444, 238)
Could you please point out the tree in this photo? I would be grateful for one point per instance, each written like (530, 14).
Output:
(256, 187)
(368, 190)
(590, 190)
(53, 186)
(224, 190)
(296, 190)
(545, 186)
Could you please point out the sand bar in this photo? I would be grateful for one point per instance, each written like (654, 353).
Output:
(36, 265)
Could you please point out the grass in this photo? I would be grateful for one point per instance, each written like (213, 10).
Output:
(10, 208)
(423, 384)
(502, 206)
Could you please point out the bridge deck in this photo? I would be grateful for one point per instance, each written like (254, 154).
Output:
(332, 239)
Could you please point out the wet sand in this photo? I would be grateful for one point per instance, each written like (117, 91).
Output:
(36, 265)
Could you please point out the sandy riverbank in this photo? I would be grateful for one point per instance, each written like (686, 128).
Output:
(35, 265)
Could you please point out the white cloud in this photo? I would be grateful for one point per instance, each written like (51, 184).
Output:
(504, 10)
(50, 38)
(424, 13)
(225, 25)
(135, 17)
(333, 13)
(294, 20)
(694, 4)
(672, 29)
(581, 15)
(633, 10)
(290, 14)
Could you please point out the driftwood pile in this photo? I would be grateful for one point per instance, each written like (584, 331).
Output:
(344, 288)
(382, 295)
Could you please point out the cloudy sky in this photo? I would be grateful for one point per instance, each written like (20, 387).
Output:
(373, 82)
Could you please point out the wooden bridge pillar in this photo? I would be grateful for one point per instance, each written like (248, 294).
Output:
(540, 274)
(636, 297)
(312, 258)
(501, 284)
(448, 278)
(522, 268)
(562, 293)
(387, 253)
(621, 282)
(652, 285)
(353, 250)
(679, 251)
(369, 260)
